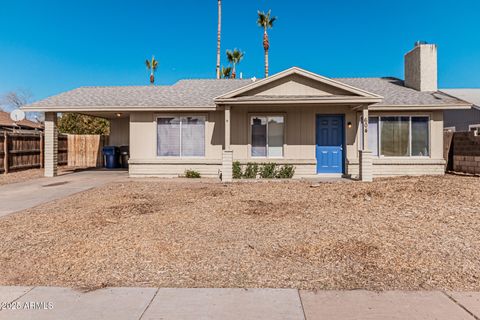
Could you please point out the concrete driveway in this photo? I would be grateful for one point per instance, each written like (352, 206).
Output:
(23, 195)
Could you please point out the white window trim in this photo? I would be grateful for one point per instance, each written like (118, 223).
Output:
(249, 119)
(451, 129)
(169, 115)
(379, 140)
(474, 126)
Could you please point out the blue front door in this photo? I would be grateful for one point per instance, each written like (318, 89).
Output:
(329, 140)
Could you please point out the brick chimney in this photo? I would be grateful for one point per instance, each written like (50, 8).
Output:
(421, 67)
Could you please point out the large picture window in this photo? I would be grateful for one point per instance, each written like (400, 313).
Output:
(267, 136)
(181, 136)
(394, 136)
(399, 136)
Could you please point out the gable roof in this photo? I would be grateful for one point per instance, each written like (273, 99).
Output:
(188, 93)
(343, 90)
(381, 93)
(5, 121)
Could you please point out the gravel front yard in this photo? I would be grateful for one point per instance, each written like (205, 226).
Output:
(20, 176)
(399, 233)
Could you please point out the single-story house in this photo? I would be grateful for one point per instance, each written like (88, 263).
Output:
(463, 120)
(359, 127)
(7, 124)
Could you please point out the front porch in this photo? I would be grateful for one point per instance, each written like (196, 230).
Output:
(299, 139)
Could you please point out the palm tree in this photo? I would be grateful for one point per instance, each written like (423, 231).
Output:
(152, 66)
(265, 21)
(226, 72)
(234, 57)
(218, 36)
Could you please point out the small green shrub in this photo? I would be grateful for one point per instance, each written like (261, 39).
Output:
(285, 172)
(237, 170)
(251, 171)
(268, 170)
(192, 174)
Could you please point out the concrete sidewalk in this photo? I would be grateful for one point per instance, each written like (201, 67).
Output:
(291, 304)
(23, 195)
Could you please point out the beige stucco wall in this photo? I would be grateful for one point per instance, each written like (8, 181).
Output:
(119, 132)
(143, 147)
(299, 147)
(421, 68)
(393, 166)
(299, 143)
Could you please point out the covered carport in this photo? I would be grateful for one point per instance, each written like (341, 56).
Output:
(119, 131)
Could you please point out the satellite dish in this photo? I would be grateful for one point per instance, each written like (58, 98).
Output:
(17, 115)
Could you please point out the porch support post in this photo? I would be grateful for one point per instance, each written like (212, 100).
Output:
(227, 127)
(365, 155)
(227, 155)
(51, 144)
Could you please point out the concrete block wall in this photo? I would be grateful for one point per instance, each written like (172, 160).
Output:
(51, 144)
(466, 152)
(227, 166)
(365, 165)
(466, 164)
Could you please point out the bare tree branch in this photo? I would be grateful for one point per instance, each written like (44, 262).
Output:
(16, 99)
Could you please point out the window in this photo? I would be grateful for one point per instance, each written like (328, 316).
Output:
(267, 136)
(475, 128)
(394, 136)
(373, 135)
(181, 136)
(399, 136)
(420, 137)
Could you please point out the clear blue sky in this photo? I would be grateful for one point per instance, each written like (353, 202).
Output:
(49, 46)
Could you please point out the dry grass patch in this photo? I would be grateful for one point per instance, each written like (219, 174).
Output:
(399, 233)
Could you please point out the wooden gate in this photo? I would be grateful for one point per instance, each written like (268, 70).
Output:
(85, 150)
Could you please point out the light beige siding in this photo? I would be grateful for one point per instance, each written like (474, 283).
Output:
(299, 145)
(119, 132)
(143, 147)
(299, 141)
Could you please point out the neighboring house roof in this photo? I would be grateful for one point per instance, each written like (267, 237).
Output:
(469, 95)
(6, 121)
(191, 94)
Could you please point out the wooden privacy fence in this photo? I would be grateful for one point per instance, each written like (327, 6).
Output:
(462, 151)
(24, 150)
(86, 150)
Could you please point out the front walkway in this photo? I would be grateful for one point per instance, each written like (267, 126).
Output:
(23, 195)
(288, 304)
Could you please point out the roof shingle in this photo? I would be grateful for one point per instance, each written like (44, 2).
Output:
(202, 92)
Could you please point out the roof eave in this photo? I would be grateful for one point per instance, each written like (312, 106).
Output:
(299, 101)
(116, 108)
(405, 107)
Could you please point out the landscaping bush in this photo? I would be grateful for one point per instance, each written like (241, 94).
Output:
(251, 171)
(236, 170)
(268, 170)
(192, 174)
(286, 172)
